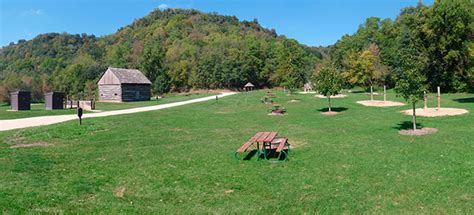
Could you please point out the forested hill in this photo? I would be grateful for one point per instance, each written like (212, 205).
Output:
(176, 49)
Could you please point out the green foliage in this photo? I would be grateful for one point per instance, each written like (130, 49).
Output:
(441, 32)
(410, 85)
(161, 84)
(327, 81)
(365, 68)
(411, 82)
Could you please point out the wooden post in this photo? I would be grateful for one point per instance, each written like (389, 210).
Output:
(384, 93)
(371, 93)
(439, 98)
(426, 100)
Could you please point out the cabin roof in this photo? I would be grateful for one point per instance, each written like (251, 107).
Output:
(124, 76)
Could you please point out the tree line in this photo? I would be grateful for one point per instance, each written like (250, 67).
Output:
(440, 38)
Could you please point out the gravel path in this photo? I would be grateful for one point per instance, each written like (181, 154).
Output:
(11, 124)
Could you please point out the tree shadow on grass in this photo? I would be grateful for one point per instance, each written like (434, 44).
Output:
(333, 109)
(465, 100)
(406, 125)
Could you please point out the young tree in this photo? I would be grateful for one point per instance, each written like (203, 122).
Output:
(327, 82)
(410, 85)
(410, 81)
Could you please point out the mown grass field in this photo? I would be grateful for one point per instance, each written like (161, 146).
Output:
(180, 160)
(39, 110)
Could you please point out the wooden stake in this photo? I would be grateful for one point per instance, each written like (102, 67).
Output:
(371, 93)
(439, 98)
(426, 100)
(384, 93)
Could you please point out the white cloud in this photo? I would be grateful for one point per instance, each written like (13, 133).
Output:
(33, 12)
(163, 6)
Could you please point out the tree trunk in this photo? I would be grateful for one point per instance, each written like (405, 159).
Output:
(329, 100)
(414, 117)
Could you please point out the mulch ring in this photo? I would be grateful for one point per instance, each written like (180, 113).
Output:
(332, 97)
(329, 113)
(294, 100)
(276, 114)
(418, 132)
(434, 112)
(377, 103)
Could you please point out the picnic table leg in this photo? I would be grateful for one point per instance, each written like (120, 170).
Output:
(237, 155)
(258, 151)
(287, 153)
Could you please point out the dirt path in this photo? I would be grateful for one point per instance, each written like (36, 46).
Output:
(11, 124)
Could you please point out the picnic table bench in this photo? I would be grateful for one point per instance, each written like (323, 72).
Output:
(265, 142)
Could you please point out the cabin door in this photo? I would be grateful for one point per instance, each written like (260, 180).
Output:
(137, 95)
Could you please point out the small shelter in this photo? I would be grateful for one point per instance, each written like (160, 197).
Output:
(249, 87)
(20, 100)
(54, 100)
(119, 85)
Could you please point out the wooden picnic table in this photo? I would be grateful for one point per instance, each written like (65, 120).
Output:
(265, 141)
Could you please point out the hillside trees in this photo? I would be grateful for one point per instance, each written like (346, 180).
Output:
(443, 32)
(365, 68)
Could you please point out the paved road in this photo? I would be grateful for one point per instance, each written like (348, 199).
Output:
(11, 124)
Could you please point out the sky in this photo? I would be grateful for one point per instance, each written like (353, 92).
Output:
(311, 22)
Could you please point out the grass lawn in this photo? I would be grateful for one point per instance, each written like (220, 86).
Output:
(38, 109)
(180, 160)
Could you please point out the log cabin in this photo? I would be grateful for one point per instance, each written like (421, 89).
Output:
(123, 85)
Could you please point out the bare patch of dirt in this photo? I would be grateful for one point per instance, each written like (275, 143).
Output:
(296, 143)
(36, 144)
(228, 191)
(100, 130)
(434, 112)
(294, 100)
(377, 103)
(224, 112)
(16, 139)
(332, 97)
(329, 113)
(120, 191)
(418, 132)
(276, 114)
